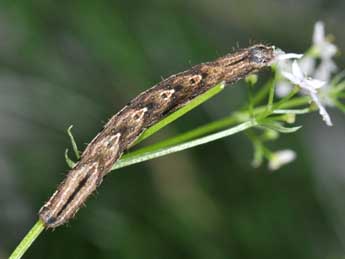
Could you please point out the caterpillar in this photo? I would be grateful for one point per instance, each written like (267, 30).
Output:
(143, 111)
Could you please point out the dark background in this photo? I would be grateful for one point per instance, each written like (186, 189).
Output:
(78, 62)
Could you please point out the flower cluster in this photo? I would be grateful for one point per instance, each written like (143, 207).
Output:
(313, 74)
(314, 80)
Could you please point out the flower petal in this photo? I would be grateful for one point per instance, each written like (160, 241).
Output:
(283, 88)
(285, 56)
(322, 110)
(327, 50)
(315, 83)
(319, 33)
(325, 70)
(281, 56)
(307, 65)
(306, 86)
(291, 77)
(297, 71)
(281, 158)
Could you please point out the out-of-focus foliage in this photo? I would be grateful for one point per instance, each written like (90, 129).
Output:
(78, 62)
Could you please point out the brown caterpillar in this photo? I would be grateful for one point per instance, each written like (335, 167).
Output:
(143, 111)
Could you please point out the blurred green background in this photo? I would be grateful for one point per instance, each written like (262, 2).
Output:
(78, 62)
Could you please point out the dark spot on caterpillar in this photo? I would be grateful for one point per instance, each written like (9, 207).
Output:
(195, 79)
(193, 95)
(204, 75)
(172, 105)
(136, 116)
(51, 220)
(150, 106)
(121, 130)
(234, 62)
(166, 112)
(178, 88)
(164, 95)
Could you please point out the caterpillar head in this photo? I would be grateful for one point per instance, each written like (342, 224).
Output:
(261, 55)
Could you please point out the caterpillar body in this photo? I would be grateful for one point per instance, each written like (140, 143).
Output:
(143, 111)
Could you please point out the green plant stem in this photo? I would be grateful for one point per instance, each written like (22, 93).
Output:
(165, 151)
(192, 134)
(26, 242)
(271, 97)
(261, 94)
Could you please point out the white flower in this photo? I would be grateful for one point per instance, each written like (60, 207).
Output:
(325, 70)
(325, 50)
(283, 63)
(307, 65)
(283, 88)
(281, 55)
(297, 77)
(281, 158)
(309, 85)
(322, 110)
(295, 73)
(283, 60)
(323, 47)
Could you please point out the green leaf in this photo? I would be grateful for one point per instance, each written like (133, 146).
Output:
(291, 111)
(74, 143)
(69, 161)
(339, 105)
(337, 79)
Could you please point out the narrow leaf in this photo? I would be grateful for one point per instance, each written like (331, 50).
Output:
(69, 161)
(74, 143)
(134, 159)
(291, 111)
